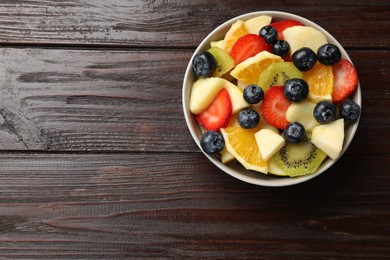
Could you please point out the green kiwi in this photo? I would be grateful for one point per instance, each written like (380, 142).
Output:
(224, 61)
(296, 159)
(277, 73)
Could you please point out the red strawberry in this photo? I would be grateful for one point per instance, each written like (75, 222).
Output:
(247, 46)
(287, 58)
(218, 114)
(345, 80)
(274, 107)
(269, 47)
(284, 24)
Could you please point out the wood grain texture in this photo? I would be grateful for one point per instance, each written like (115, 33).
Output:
(111, 100)
(117, 100)
(176, 23)
(162, 205)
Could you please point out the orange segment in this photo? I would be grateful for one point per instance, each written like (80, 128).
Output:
(249, 70)
(237, 30)
(320, 81)
(241, 143)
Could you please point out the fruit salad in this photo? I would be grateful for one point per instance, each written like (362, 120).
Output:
(273, 95)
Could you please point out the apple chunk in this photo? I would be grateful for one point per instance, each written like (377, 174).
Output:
(268, 142)
(203, 92)
(236, 96)
(255, 24)
(304, 36)
(329, 138)
(302, 112)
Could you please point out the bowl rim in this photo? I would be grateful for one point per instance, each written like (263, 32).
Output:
(194, 128)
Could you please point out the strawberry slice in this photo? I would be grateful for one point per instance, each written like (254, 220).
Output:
(287, 58)
(345, 80)
(274, 107)
(283, 25)
(218, 114)
(247, 46)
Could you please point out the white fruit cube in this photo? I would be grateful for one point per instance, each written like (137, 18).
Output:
(226, 157)
(236, 96)
(268, 142)
(329, 137)
(302, 112)
(316, 98)
(304, 36)
(203, 92)
(241, 84)
(264, 125)
(218, 44)
(255, 24)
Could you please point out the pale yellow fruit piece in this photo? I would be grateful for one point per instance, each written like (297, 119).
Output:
(315, 98)
(236, 96)
(226, 157)
(203, 92)
(218, 44)
(233, 121)
(304, 36)
(268, 142)
(329, 138)
(241, 143)
(264, 125)
(237, 30)
(302, 112)
(241, 84)
(255, 24)
(249, 70)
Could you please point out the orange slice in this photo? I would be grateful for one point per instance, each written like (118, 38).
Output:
(320, 81)
(237, 30)
(241, 143)
(249, 70)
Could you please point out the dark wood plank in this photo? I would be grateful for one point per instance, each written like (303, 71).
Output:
(117, 100)
(176, 23)
(164, 205)
(86, 100)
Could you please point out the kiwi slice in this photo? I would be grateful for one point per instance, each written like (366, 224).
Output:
(277, 73)
(224, 61)
(296, 159)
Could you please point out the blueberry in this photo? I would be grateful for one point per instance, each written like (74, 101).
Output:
(269, 33)
(304, 59)
(295, 89)
(325, 112)
(294, 133)
(253, 94)
(204, 64)
(248, 118)
(212, 142)
(349, 110)
(280, 48)
(328, 54)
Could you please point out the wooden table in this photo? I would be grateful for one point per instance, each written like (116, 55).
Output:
(97, 162)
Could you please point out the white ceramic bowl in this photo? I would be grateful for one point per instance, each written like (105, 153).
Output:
(236, 169)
